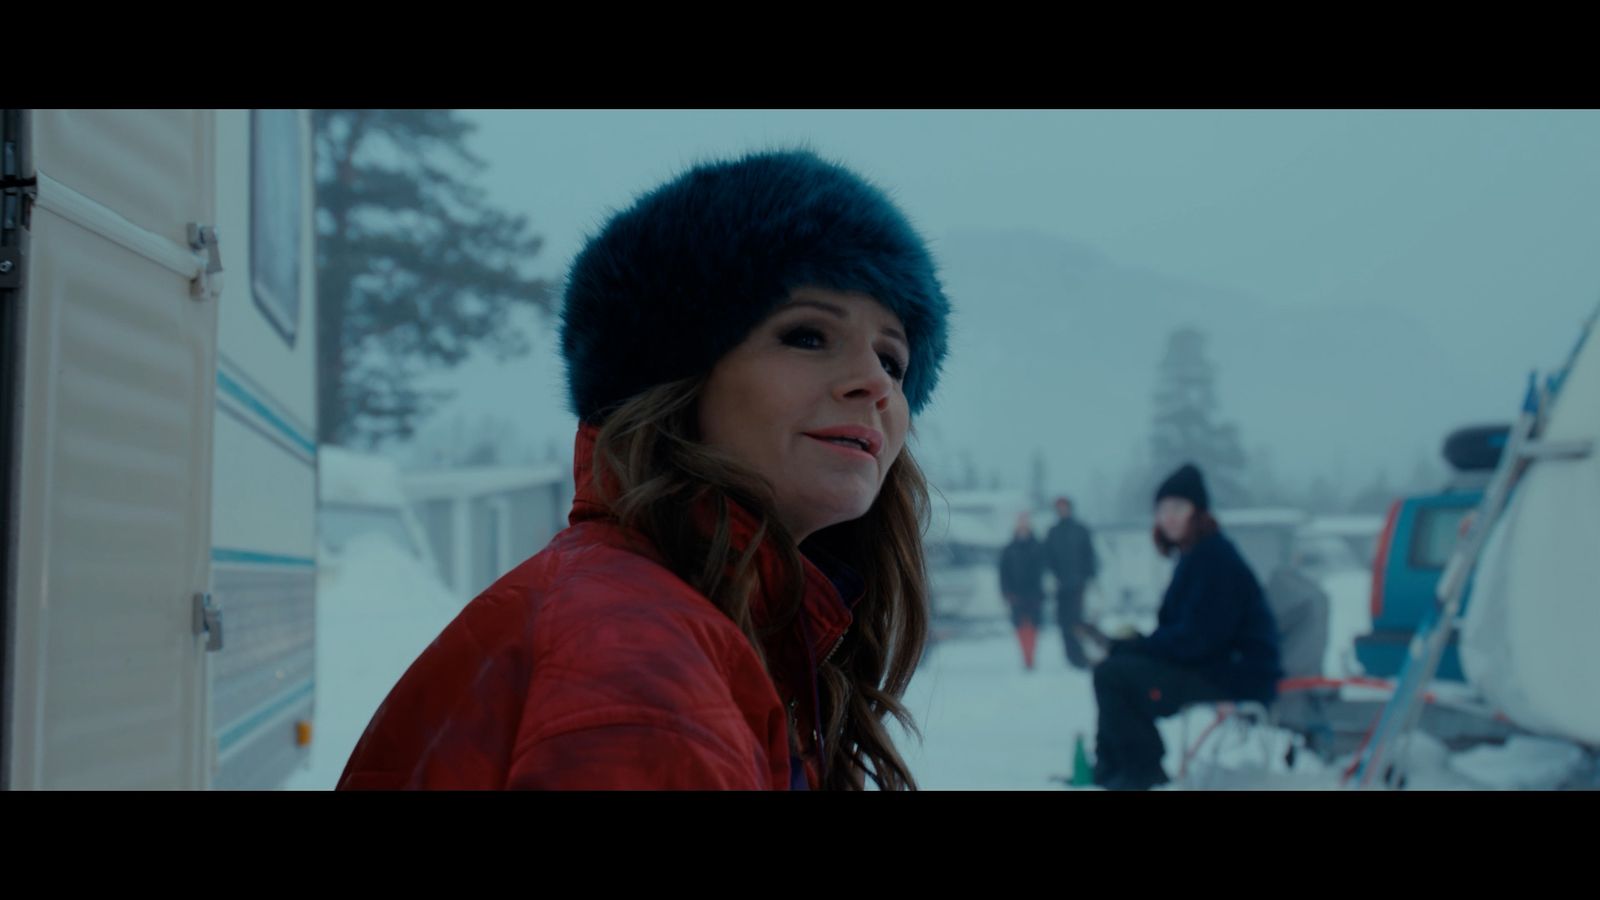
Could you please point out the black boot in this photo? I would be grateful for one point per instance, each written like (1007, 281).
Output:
(1142, 779)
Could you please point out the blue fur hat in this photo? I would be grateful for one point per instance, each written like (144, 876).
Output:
(671, 284)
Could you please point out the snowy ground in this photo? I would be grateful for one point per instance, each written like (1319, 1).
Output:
(990, 724)
(377, 610)
(1349, 615)
(987, 723)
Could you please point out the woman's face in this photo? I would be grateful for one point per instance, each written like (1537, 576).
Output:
(1172, 517)
(812, 400)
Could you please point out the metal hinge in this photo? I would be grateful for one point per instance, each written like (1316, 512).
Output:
(10, 268)
(207, 283)
(208, 621)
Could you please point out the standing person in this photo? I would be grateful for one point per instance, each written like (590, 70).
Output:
(1022, 584)
(1070, 550)
(1215, 640)
(739, 601)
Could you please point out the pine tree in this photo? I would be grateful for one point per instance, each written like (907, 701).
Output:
(1184, 426)
(415, 269)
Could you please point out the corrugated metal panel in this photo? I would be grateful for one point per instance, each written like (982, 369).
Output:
(261, 681)
(139, 163)
(116, 459)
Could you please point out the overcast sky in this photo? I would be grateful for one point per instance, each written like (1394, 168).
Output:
(1480, 225)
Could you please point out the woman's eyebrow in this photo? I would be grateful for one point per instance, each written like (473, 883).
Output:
(828, 307)
(841, 313)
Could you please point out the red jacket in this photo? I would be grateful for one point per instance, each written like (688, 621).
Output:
(591, 666)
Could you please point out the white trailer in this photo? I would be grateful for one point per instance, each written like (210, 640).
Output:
(1531, 627)
(157, 313)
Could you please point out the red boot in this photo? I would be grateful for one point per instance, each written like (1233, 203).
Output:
(1028, 635)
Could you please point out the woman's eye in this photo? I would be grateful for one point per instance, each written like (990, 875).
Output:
(805, 337)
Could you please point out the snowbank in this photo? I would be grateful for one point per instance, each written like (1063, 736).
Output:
(375, 614)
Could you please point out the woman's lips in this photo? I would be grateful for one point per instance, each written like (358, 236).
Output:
(848, 449)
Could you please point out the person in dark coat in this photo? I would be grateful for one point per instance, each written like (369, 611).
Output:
(1070, 551)
(1022, 584)
(1216, 640)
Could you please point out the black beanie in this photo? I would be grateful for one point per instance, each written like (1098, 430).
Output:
(1186, 483)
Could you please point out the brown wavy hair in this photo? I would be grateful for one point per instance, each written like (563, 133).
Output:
(1201, 526)
(650, 466)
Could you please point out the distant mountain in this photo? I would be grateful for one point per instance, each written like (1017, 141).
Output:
(1055, 347)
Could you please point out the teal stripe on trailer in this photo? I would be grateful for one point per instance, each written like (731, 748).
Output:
(236, 390)
(233, 733)
(251, 557)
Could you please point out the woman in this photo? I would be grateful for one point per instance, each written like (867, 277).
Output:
(740, 599)
(1022, 585)
(1215, 640)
